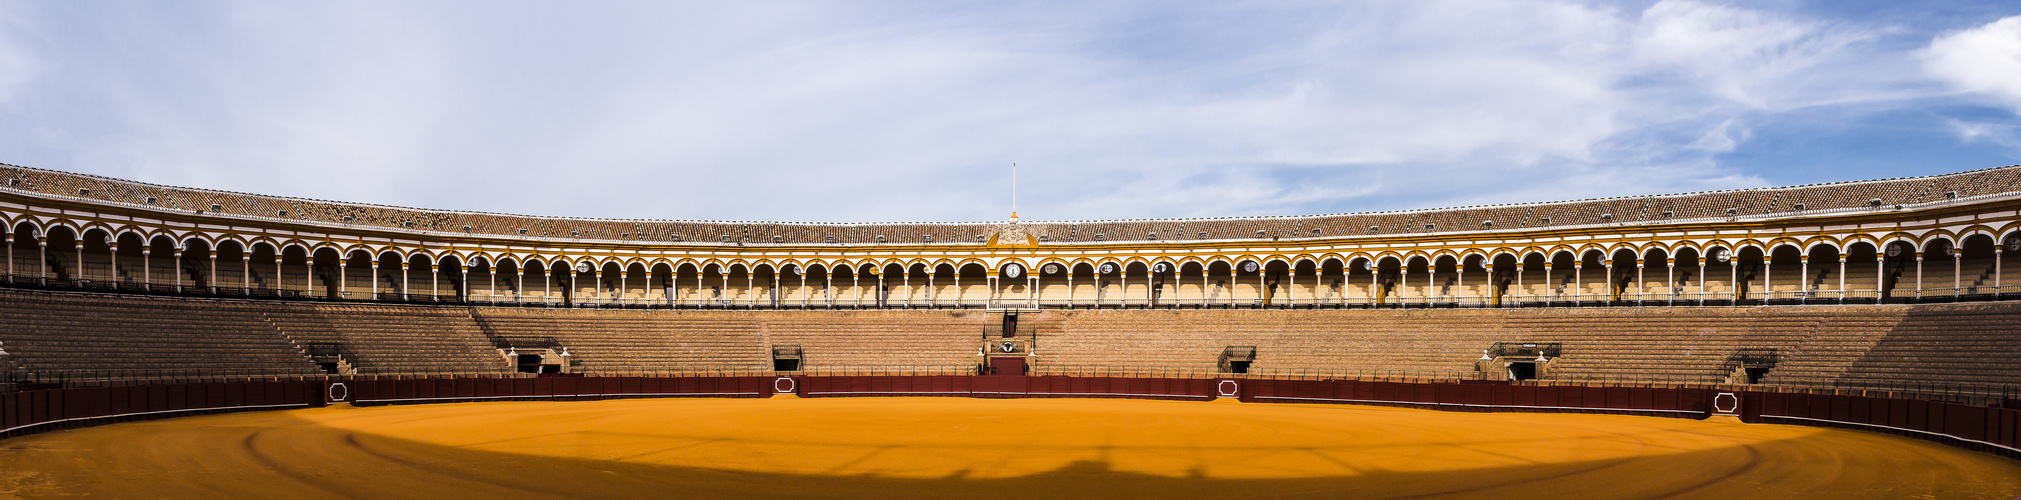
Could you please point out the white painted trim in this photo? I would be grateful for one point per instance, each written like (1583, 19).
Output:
(243, 407)
(1466, 405)
(1878, 426)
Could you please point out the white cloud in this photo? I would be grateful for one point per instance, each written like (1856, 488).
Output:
(1984, 60)
(18, 64)
(856, 112)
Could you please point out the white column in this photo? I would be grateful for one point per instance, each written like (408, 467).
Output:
(1957, 270)
(1997, 251)
(375, 278)
(245, 272)
(214, 270)
(278, 274)
(341, 272)
(1842, 277)
(1919, 275)
(146, 263)
(1803, 271)
(1670, 281)
(1701, 279)
(1611, 294)
(1578, 280)
(1880, 275)
(1767, 272)
(1641, 286)
(1519, 283)
(406, 279)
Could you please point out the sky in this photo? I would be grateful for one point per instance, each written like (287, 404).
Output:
(915, 111)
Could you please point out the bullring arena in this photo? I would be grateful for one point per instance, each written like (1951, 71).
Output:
(1853, 339)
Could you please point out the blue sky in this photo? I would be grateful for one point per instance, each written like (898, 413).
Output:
(912, 111)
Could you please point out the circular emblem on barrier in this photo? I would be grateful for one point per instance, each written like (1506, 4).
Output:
(1013, 270)
(1051, 268)
(1108, 269)
(783, 385)
(1227, 388)
(1009, 347)
(338, 392)
(1726, 402)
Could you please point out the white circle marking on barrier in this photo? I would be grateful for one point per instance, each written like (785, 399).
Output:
(1227, 388)
(790, 385)
(338, 391)
(1725, 402)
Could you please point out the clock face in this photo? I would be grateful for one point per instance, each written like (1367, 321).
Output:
(2014, 245)
(1013, 270)
(1108, 268)
(1052, 268)
(1161, 267)
(1249, 267)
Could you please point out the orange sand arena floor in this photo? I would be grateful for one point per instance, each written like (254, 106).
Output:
(959, 447)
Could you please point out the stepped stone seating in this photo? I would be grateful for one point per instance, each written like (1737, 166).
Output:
(656, 341)
(639, 341)
(392, 338)
(50, 332)
(1866, 345)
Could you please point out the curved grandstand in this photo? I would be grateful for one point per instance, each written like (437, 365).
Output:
(264, 285)
(1875, 305)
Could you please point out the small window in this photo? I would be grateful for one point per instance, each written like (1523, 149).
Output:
(1315, 231)
(776, 239)
(13, 182)
(981, 238)
(1151, 236)
(284, 213)
(1373, 229)
(726, 238)
(83, 192)
(1874, 202)
(575, 234)
(1544, 221)
(1259, 234)
(626, 236)
(408, 223)
(522, 230)
(1101, 237)
(348, 218)
(674, 237)
(1669, 214)
(880, 238)
(151, 200)
(1487, 223)
(1797, 207)
(217, 208)
(1733, 211)
(1430, 227)
(1606, 216)
(466, 228)
(1950, 195)
(926, 238)
(1045, 238)
(1203, 235)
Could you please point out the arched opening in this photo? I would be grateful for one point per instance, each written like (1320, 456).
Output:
(1687, 282)
(1331, 280)
(1978, 264)
(973, 285)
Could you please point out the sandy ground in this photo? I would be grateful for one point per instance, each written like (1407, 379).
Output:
(974, 448)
